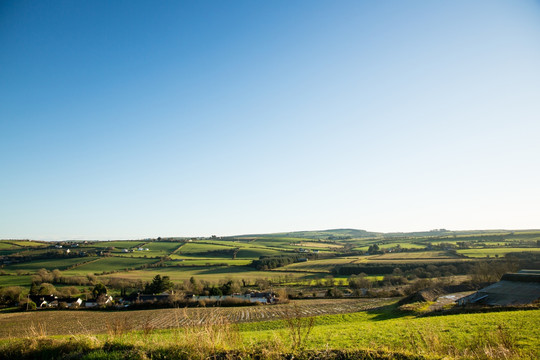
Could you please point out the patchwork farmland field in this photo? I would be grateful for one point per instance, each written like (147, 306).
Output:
(181, 261)
(324, 265)
(201, 257)
(4, 245)
(420, 256)
(122, 244)
(208, 273)
(28, 243)
(345, 286)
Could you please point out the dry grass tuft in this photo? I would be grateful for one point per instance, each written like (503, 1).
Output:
(118, 327)
(299, 327)
(500, 343)
(37, 330)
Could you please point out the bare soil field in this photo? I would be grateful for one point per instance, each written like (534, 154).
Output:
(66, 322)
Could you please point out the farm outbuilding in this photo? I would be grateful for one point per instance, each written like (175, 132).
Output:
(43, 301)
(514, 289)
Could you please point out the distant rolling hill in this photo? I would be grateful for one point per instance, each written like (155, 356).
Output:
(319, 234)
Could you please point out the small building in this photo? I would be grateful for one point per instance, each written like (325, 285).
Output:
(152, 298)
(71, 302)
(43, 301)
(105, 301)
(262, 297)
(514, 289)
(254, 297)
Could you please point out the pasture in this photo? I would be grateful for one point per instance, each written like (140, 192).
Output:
(416, 256)
(494, 252)
(181, 261)
(208, 273)
(27, 243)
(389, 245)
(454, 335)
(320, 266)
(110, 263)
(121, 244)
(15, 280)
(4, 245)
(49, 264)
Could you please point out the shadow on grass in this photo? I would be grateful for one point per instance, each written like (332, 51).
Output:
(218, 270)
(387, 312)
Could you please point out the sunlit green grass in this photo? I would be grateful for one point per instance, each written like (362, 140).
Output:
(112, 263)
(476, 253)
(49, 264)
(404, 245)
(15, 280)
(4, 245)
(323, 265)
(185, 261)
(30, 243)
(367, 329)
(121, 244)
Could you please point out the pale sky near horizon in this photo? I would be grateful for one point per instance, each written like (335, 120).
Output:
(135, 119)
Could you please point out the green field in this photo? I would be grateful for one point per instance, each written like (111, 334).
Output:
(324, 265)
(7, 246)
(255, 253)
(26, 243)
(187, 261)
(155, 249)
(446, 333)
(122, 244)
(208, 273)
(164, 247)
(112, 263)
(201, 248)
(416, 255)
(493, 252)
(49, 264)
(403, 245)
(15, 280)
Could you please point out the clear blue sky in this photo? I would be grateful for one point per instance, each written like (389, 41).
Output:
(132, 119)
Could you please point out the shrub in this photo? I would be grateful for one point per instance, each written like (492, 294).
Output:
(27, 304)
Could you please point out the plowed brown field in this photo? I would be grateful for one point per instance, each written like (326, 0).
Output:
(64, 322)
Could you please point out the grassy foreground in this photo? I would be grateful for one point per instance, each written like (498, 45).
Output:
(376, 334)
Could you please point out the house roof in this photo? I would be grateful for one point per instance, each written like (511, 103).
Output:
(47, 298)
(147, 297)
(69, 300)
